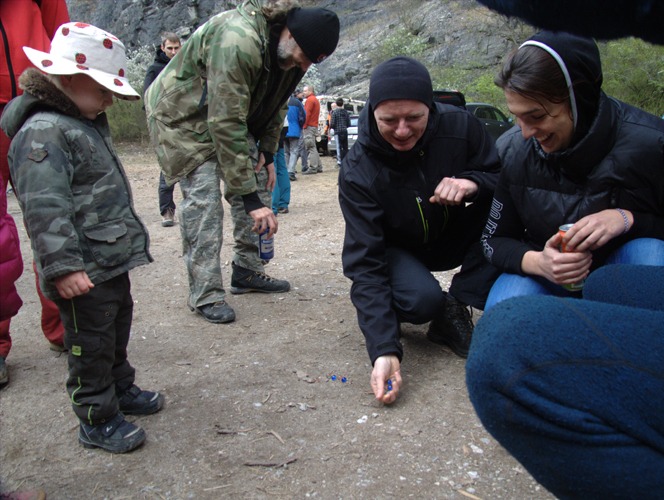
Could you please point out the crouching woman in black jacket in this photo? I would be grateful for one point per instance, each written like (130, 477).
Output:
(577, 157)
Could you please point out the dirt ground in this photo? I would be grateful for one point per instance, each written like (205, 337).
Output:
(251, 410)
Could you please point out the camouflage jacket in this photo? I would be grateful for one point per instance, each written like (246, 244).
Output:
(220, 87)
(72, 189)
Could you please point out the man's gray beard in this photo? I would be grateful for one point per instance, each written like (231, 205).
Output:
(285, 56)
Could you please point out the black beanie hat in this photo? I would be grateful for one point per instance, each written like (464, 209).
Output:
(400, 78)
(315, 30)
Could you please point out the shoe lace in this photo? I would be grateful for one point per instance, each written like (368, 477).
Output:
(262, 276)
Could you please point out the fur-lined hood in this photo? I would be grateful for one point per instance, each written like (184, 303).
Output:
(40, 94)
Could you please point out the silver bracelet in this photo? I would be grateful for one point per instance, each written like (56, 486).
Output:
(625, 219)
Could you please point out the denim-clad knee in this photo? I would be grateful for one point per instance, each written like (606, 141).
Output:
(641, 251)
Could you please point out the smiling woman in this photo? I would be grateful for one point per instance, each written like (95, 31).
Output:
(549, 123)
(403, 191)
(401, 122)
(578, 157)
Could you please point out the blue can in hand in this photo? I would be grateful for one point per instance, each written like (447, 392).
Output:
(265, 245)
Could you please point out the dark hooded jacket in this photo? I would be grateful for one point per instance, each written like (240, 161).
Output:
(384, 196)
(616, 160)
(159, 63)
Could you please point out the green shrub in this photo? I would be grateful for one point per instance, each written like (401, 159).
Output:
(634, 73)
(400, 42)
(127, 118)
(476, 84)
(127, 121)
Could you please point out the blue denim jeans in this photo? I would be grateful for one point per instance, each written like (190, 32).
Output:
(573, 388)
(282, 188)
(642, 251)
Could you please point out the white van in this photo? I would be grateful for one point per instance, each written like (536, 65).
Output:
(353, 106)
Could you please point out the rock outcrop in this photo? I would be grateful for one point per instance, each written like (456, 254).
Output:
(457, 32)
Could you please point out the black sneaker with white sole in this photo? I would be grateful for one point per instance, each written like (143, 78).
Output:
(116, 436)
(135, 401)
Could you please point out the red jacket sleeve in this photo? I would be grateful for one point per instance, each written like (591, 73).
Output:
(54, 13)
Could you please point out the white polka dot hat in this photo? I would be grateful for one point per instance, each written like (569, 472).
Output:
(86, 49)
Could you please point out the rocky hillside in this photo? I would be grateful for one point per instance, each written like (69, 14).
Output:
(459, 33)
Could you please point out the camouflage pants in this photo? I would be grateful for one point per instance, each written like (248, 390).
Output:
(201, 214)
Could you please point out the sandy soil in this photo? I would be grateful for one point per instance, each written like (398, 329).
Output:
(251, 410)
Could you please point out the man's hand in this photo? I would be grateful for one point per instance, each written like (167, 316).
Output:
(73, 284)
(453, 191)
(271, 174)
(386, 368)
(271, 177)
(264, 218)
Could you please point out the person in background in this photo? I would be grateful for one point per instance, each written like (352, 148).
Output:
(170, 45)
(293, 140)
(282, 187)
(83, 228)
(27, 23)
(11, 268)
(312, 111)
(570, 386)
(339, 124)
(414, 192)
(301, 148)
(215, 113)
(328, 119)
(576, 157)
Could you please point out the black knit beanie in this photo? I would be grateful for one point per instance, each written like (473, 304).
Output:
(400, 78)
(315, 30)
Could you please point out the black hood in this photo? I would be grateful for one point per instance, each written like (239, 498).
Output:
(161, 57)
(579, 60)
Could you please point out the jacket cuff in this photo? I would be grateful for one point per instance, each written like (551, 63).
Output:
(251, 202)
(269, 157)
(387, 349)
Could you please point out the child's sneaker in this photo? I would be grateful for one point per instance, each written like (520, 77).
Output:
(134, 401)
(117, 435)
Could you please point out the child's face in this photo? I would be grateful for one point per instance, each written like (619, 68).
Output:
(91, 97)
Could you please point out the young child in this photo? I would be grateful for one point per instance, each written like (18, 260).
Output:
(78, 211)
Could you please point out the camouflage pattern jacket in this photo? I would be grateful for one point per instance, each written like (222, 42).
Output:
(72, 189)
(220, 87)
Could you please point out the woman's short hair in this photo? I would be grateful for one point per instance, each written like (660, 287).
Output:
(534, 74)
